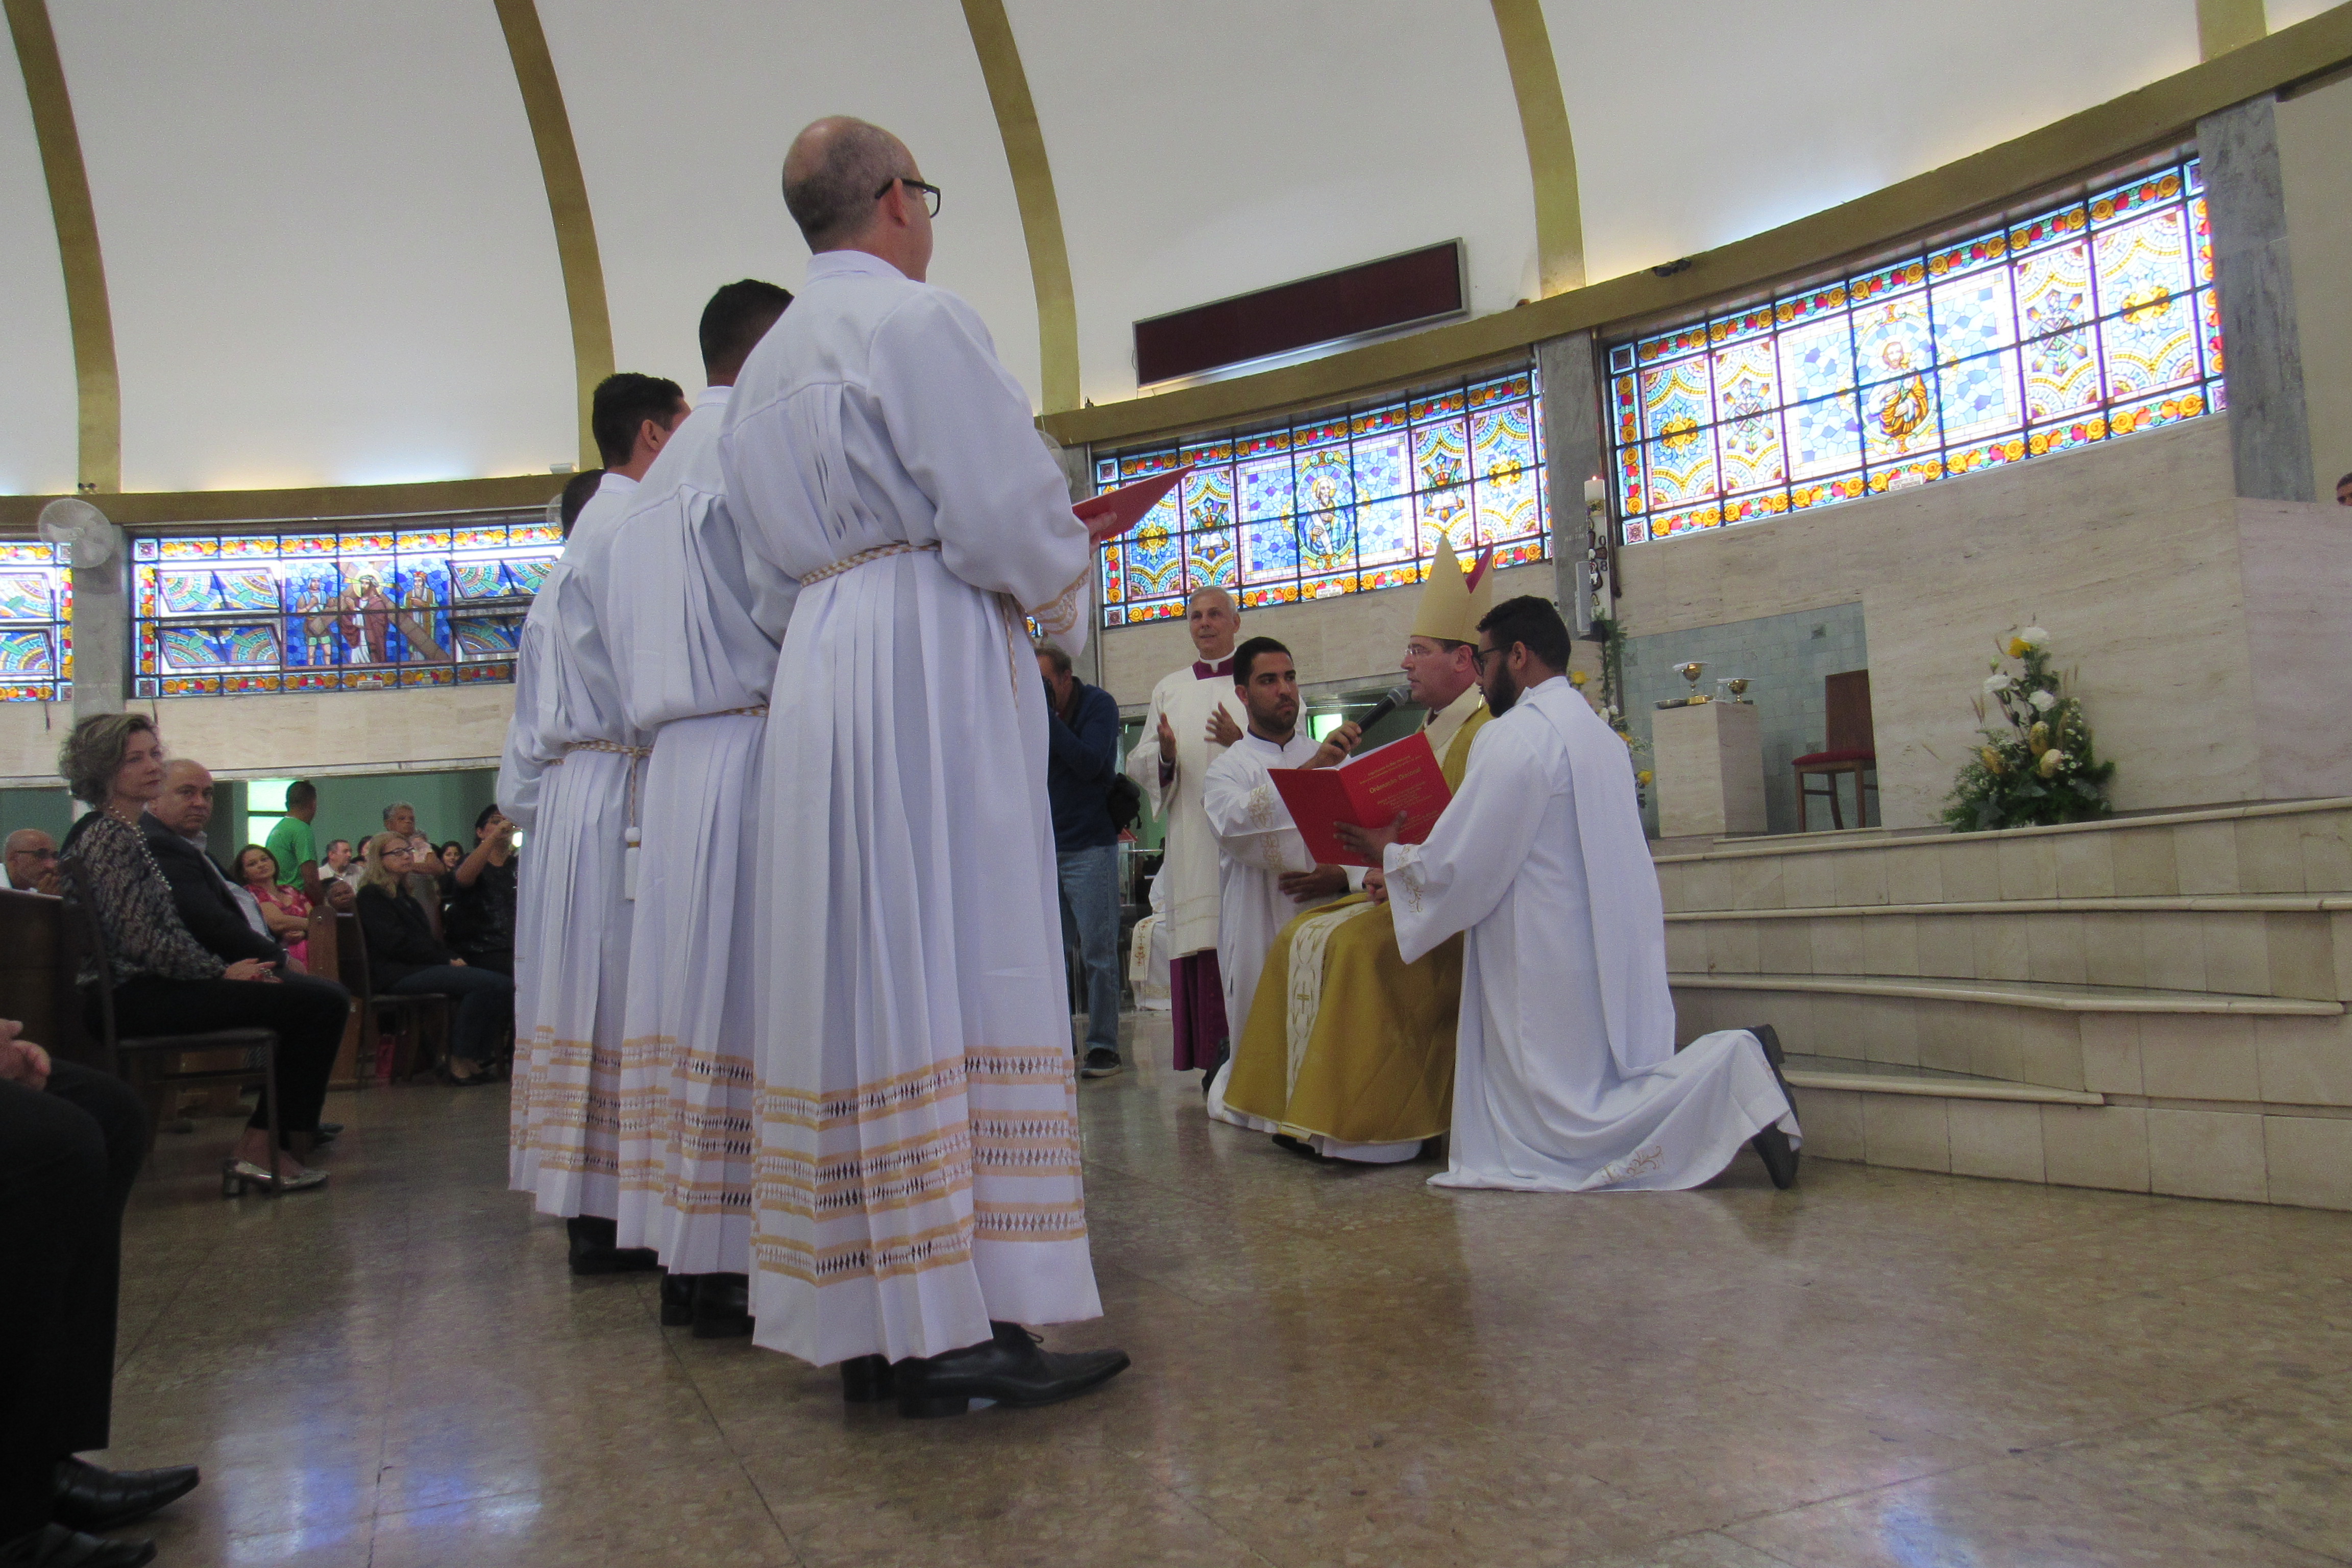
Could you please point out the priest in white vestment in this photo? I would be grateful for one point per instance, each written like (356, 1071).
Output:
(693, 627)
(1565, 1076)
(1193, 717)
(567, 776)
(916, 1195)
(1267, 873)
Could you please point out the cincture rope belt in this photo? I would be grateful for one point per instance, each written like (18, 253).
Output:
(848, 562)
(636, 755)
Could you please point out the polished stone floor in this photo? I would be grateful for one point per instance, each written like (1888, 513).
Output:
(1332, 1366)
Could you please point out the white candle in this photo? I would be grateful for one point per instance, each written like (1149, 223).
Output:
(1595, 492)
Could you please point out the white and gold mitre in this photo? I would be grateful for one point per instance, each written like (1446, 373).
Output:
(1453, 602)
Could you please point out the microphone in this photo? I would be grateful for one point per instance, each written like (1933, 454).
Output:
(1396, 698)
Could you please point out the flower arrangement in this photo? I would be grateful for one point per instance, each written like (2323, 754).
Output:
(2040, 768)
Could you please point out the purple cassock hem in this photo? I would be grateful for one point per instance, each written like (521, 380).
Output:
(1197, 993)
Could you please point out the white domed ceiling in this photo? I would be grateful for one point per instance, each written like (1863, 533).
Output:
(330, 258)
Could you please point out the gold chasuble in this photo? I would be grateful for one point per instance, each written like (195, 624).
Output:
(1346, 1039)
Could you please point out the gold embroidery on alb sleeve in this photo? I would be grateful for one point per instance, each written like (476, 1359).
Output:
(1263, 803)
(1059, 614)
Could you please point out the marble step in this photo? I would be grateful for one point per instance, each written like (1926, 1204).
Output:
(2272, 850)
(2057, 998)
(2088, 1039)
(1883, 1077)
(2290, 945)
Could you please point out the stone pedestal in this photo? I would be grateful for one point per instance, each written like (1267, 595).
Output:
(1709, 762)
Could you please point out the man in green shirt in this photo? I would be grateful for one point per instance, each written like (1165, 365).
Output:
(292, 845)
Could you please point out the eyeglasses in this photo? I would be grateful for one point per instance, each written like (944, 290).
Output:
(930, 193)
(1479, 656)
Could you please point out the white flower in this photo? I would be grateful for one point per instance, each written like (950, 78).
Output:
(2035, 636)
(2042, 701)
(1996, 684)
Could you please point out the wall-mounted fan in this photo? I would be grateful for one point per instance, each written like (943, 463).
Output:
(89, 538)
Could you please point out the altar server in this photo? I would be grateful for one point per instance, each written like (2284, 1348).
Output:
(1193, 717)
(692, 628)
(1265, 872)
(1347, 1049)
(571, 758)
(916, 1195)
(1565, 1076)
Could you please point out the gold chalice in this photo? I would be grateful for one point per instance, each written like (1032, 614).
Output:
(1736, 685)
(1691, 672)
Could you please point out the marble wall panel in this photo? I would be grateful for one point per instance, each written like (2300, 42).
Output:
(450, 727)
(2207, 1155)
(2310, 1160)
(1993, 1138)
(2190, 1056)
(2304, 1061)
(2095, 1146)
(2298, 597)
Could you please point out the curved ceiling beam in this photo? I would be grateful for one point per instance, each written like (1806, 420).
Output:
(1033, 189)
(87, 314)
(567, 204)
(1551, 154)
(2226, 25)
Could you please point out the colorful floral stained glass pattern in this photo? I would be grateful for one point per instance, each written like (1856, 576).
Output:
(429, 601)
(2093, 320)
(1337, 502)
(36, 622)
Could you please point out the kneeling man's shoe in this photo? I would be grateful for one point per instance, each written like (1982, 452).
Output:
(722, 1306)
(1009, 1368)
(676, 1300)
(1101, 1062)
(55, 1546)
(1772, 1145)
(88, 1497)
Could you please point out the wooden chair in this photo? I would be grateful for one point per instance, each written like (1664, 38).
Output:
(155, 1064)
(355, 1058)
(419, 1025)
(39, 957)
(1851, 748)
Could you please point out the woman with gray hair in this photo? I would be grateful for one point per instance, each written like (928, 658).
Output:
(167, 982)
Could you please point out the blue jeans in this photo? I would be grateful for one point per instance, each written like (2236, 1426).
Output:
(485, 1005)
(1090, 906)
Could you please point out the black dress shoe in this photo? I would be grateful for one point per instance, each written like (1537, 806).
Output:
(593, 1251)
(88, 1497)
(55, 1546)
(1772, 1145)
(867, 1380)
(722, 1306)
(1008, 1368)
(676, 1300)
(1101, 1062)
(1301, 1147)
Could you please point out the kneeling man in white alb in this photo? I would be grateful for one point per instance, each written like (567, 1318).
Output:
(1566, 1078)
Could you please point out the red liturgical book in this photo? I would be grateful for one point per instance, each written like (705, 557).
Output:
(1113, 513)
(1368, 791)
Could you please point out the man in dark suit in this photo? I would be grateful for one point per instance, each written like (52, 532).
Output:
(218, 915)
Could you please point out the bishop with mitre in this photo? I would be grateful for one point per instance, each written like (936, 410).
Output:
(1348, 1050)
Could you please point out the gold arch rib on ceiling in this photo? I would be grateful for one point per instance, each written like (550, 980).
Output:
(1033, 189)
(567, 204)
(2226, 25)
(89, 315)
(1551, 152)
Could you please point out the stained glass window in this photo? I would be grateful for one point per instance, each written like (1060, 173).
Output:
(1339, 502)
(36, 622)
(2090, 319)
(415, 601)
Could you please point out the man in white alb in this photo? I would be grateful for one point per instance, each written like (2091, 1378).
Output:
(571, 758)
(692, 628)
(916, 1195)
(1194, 716)
(1267, 873)
(1566, 1078)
